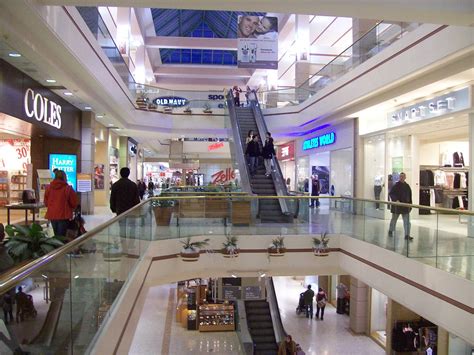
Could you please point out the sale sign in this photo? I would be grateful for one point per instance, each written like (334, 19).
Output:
(15, 154)
(223, 176)
(215, 146)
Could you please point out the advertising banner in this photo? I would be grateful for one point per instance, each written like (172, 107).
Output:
(257, 42)
(66, 163)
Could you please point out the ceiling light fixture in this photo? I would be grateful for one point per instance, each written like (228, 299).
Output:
(51, 81)
(87, 108)
(14, 55)
(99, 116)
(111, 124)
(68, 93)
(234, 276)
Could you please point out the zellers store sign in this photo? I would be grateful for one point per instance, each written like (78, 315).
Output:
(43, 109)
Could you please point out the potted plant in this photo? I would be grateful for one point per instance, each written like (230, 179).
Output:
(230, 250)
(277, 247)
(163, 210)
(152, 106)
(29, 242)
(112, 252)
(320, 245)
(187, 110)
(207, 108)
(167, 109)
(191, 250)
(142, 100)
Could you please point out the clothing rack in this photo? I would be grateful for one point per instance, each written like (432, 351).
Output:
(451, 169)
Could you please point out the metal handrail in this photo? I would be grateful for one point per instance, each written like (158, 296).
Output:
(10, 279)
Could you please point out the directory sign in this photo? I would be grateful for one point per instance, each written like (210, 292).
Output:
(66, 163)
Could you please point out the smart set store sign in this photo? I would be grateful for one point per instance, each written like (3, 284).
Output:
(43, 109)
(438, 106)
(320, 141)
(170, 101)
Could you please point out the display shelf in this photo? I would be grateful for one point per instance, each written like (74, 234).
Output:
(216, 317)
(4, 193)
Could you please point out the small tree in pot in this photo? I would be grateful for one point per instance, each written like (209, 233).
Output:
(163, 210)
(320, 245)
(191, 250)
(277, 247)
(230, 250)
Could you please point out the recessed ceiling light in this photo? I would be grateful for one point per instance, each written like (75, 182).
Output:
(14, 55)
(52, 81)
(99, 116)
(67, 93)
(87, 108)
(111, 124)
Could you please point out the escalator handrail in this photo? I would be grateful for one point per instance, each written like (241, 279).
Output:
(277, 175)
(273, 302)
(242, 163)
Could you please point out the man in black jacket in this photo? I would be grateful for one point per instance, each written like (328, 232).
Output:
(124, 195)
(400, 192)
(253, 152)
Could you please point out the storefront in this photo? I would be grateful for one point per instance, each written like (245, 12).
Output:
(38, 131)
(286, 158)
(328, 153)
(427, 139)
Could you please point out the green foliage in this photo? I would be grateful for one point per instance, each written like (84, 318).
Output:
(188, 245)
(29, 242)
(321, 243)
(278, 243)
(231, 242)
(162, 203)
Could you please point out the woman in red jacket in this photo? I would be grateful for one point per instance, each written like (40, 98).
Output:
(61, 200)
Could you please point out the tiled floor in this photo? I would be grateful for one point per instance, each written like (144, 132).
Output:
(159, 333)
(331, 336)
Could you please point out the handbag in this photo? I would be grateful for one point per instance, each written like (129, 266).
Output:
(322, 303)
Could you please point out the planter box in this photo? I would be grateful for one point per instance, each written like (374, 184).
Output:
(189, 257)
(322, 252)
(276, 252)
(241, 213)
(227, 254)
(163, 215)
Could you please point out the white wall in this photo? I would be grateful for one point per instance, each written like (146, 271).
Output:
(378, 315)
(430, 153)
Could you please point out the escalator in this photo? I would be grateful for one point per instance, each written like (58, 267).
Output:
(259, 322)
(244, 119)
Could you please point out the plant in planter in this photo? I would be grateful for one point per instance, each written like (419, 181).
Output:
(277, 247)
(190, 250)
(29, 242)
(142, 100)
(188, 110)
(152, 106)
(230, 250)
(163, 210)
(320, 245)
(207, 108)
(168, 109)
(112, 252)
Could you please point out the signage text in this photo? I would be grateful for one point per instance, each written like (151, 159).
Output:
(43, 109)
(171, 101)
(223, 176)
(320, 141)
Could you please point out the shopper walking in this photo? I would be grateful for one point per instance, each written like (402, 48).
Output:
(237, 92)
(401, 192)
(287, 346)
(141, 189)
(341, 298)
(61, 201)
(253, 152)
(151, 188)
(321, 299)
(7, 307)
(308, 302)
(249, 138)
(268, 153)
(315, 189)
(124, 194)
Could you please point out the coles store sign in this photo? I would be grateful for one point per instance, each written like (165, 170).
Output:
(223, 176)
(42, 109)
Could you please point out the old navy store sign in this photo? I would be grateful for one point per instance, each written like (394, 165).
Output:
(320, 141)
(171, 101)
(41, 108)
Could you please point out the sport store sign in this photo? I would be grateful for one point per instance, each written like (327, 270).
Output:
(440, 105)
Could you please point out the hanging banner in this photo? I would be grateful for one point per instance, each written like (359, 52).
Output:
(257, 42)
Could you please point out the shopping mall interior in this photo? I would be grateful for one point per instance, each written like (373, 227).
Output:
(301, 177)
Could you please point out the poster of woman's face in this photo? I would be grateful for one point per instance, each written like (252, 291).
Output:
(99, 176)
(256, 26)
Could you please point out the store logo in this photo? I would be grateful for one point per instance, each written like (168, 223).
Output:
(285, 151)
(215, 146)
(421, 111)
(223, 176)
(43, 109)
(171, 101)
(320, 141)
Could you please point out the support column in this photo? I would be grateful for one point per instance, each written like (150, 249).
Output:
(302, 65)
(359, 307)
(470, 230)
(362, 46)
(87, 158)
(323, 282)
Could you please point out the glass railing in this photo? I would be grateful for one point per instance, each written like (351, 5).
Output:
(372, 42)
(74, 287)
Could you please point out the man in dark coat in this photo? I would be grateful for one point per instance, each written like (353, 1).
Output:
(124, 195)
(253, 152)
(400, 192)
(308, 301)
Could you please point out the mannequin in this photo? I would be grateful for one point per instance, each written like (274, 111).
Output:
(378, 185)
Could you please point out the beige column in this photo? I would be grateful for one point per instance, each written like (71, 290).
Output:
(87, 158)
(359, 307)
(363, 40)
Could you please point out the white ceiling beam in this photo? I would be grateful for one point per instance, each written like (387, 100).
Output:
(453, 12)
(191, 43)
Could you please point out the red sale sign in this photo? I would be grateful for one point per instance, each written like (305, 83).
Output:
(223, 176)
(215, 146)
